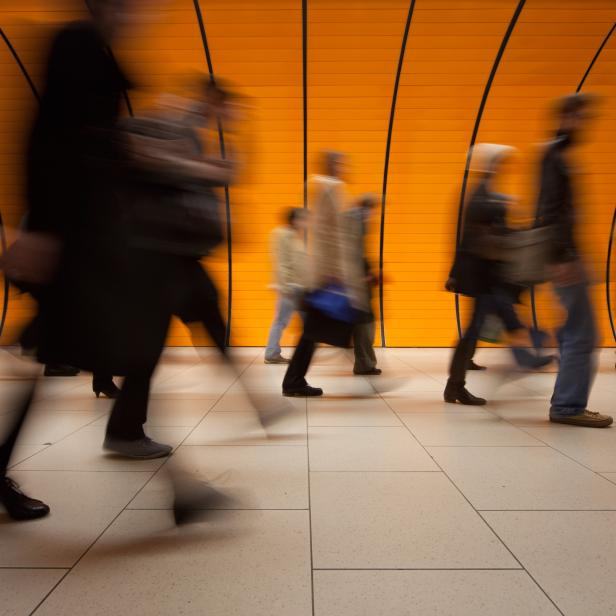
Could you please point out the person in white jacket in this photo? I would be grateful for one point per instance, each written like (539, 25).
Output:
(288, 250)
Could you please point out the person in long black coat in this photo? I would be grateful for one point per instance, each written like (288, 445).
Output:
(90, 307)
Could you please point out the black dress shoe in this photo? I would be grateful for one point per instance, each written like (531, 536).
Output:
(109, 390)
(17, 504)
(458, 393)
(60, 370)
(473, 366)
(303, 392)
(371, 372)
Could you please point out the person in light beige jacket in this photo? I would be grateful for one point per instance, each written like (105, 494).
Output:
(289, 255)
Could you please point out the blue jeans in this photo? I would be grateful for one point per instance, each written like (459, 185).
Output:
(577, 339)
(285, 308)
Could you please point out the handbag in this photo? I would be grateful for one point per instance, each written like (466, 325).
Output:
(333, 302)
(169, 212)
(330, 317)
(526, 256)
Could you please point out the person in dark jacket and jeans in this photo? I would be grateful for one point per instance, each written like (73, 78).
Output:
(476, 274)
(577, 337)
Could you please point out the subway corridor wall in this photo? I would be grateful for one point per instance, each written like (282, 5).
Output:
(404, 87)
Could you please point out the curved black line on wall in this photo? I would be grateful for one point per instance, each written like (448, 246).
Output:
(221, 139)
(580, 86)
(24, 72)
(392, 115)
(592, 62)
(484, 99)
(305, 93)
(608, 267)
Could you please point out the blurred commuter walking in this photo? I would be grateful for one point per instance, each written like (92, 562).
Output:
(556, 207)
(477, 273)
(289, 255)
(356, 221)
(68, 257)
(334, 295)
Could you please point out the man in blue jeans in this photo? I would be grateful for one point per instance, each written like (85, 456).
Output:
(290, 262)
(578, 335)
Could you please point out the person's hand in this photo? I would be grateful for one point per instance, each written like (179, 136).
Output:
(32, 258)
(450, 285)
(566, 274)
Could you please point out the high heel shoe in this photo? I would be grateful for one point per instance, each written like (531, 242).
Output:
(109, 390)
(458, 393)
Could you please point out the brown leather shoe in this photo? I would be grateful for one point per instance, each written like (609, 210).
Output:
(586, 419)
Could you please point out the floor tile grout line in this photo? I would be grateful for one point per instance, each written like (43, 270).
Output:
(223, 509)
(562, 453)
(309, 507)
(458, 489)
(547, 510)
(88, 548)
(36, 568)
(500, 539)
(520, 569)
(181, 443)
(125, 508)
(530, 575)
(87, 425)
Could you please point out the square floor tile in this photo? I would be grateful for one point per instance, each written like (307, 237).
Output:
(198, 380)
(239, 402)
(424, 402)
(245, 429)
(593, 448)
(571, 554)
(255, 563)
(412, 381)
(44, 428)
(22, 452)
(183, 412)
(466, 429)
(82, 505)
(83, 450)
(523, 478)
(23, 589)
(260, 477)
(523, 411)
(399, 521)
(428, 593)
(366, 449)
(361, 412)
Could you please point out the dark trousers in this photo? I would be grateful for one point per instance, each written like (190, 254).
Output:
(363, 346)
(483, 305)
(195, 300)
(130, 410)
(295, 376)
(17, 418)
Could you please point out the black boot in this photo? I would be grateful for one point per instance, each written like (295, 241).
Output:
(456, 392)
(108, 389)
(60, 370)
(17, 504)
(471, 365)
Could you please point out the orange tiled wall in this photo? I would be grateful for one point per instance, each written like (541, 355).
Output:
(353, 51)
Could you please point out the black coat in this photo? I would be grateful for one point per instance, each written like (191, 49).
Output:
(92, 315)
(472, 274)
(555, 206)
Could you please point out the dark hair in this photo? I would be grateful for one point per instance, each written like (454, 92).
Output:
(214, 90)
(368, 201)
(294, 213)
(574, 103)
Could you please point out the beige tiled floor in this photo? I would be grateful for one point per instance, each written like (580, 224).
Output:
(378, 499)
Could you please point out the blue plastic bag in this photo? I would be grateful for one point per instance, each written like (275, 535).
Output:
(332, 301)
